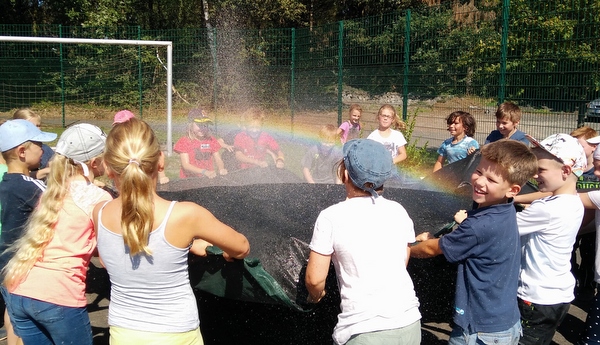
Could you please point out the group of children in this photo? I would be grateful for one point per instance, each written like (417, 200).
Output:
(513, 283)
(50, 232)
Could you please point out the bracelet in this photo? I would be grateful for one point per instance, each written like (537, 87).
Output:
(279, 159)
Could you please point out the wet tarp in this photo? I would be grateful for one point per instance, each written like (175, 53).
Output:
(260, 300)
(278, 221)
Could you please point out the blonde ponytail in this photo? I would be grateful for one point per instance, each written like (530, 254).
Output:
(132, 153)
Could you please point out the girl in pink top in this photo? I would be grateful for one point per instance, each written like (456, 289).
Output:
(351, 129)
(44, 284)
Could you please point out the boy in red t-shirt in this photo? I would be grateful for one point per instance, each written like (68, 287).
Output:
(254, 146)
(198, 148)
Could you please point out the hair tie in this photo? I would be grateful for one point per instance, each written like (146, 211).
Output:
(134, 160)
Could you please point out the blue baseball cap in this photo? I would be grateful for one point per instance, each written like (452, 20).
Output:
(15, 132)
(367, 161)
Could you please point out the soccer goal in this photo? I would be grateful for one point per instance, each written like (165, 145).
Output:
(81, 77)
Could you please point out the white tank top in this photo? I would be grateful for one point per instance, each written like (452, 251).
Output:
(148, 293)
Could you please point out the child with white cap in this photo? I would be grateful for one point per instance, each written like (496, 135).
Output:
(548, 228)
(378, 297)
(57, 246)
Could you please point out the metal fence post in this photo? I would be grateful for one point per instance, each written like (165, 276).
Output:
(293, 77)
(140, 80)
(62, 77)
(406, 67)
(504, 51)
(215, 66)
(340, 69)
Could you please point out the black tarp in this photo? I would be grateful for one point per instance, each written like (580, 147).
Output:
(261, 300)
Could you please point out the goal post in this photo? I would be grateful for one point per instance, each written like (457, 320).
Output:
(168, 67)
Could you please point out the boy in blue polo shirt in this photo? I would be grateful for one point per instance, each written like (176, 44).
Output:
(486, 248)
(21, 146)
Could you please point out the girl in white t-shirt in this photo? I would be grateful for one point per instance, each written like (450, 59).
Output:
(388, 133)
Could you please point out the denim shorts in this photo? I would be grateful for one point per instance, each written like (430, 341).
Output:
(38, 322)
(508, 337)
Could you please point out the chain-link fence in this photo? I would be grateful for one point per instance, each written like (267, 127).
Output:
(542, 55)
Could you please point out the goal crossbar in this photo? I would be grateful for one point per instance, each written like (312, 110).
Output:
(167, 44)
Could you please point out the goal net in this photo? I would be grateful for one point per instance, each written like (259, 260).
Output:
(66, 80)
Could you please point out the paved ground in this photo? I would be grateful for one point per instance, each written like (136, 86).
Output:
(433, 333)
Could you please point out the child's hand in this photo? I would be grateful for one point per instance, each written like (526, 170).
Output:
(279, 164)
(460, 216)
(471, 150)
(228, 147)
(223, 171)
(263, 164)
(210, 174)
(163, 179)
(424, 236)
(199, 247)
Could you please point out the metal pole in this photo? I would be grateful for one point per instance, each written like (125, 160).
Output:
(140, 81)
(169, 99)
(504, 51)
(293, 77)
(406, 69)
(62, 78)
(340, 69)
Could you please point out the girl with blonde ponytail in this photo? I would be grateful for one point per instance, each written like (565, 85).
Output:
(49, 267)
(144, 241)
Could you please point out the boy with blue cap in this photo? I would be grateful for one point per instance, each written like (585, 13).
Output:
(21, 146)
(486, 248)
(378, 300)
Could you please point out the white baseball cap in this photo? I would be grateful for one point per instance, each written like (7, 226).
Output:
(566, 148)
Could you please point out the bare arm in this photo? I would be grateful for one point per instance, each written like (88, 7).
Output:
(530, 197)
(225, 145)
(426, 249)
(189, 167)
(307, 175)
(199, 223)
(316, 275)
(587, 202)
(219, 163)
(401, 155)
(439, 163)
(240, 156)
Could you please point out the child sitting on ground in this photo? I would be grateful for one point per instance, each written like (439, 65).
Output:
(198, 148)
(253, 146)
(319, 162)
(486, 248)
(461, 126)
(508, 116)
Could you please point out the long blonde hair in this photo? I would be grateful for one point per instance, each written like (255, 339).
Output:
(39, 229)
(132, 154)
